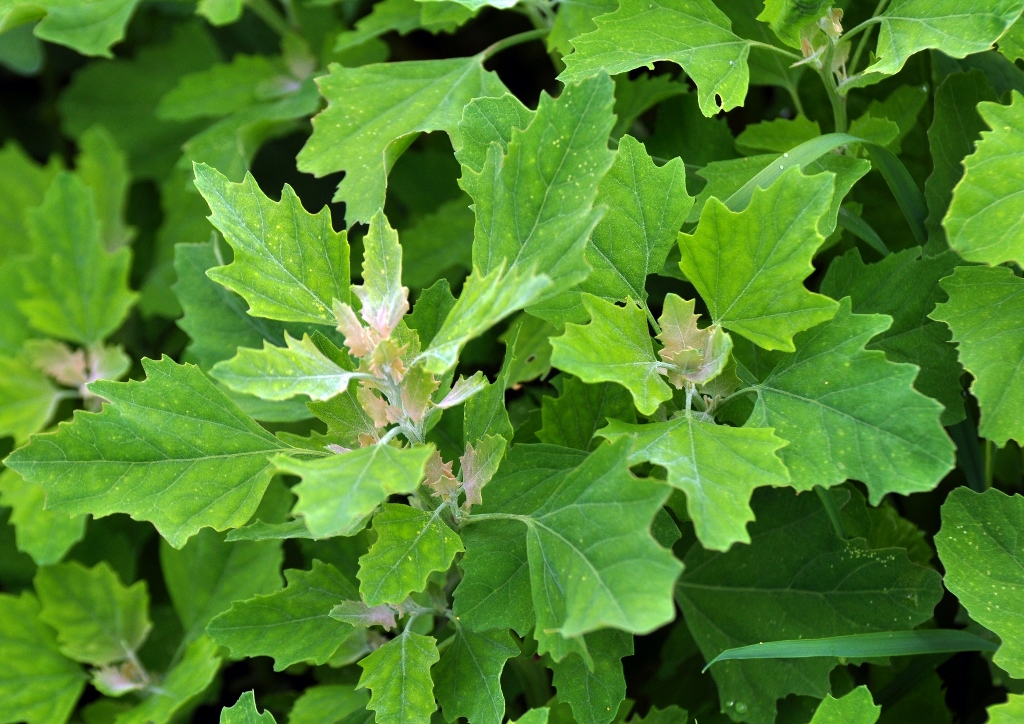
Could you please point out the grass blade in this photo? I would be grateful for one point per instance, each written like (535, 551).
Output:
(862, 646)
(862, 230)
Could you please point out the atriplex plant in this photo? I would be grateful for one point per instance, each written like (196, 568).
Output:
(682, 454)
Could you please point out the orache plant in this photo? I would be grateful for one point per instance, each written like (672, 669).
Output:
(683, 383)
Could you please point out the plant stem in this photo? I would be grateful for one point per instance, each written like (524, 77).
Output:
(828, 78)
(866, 26)
(512, 41)
(831, 510)
(794, 93)
(271, 16)
(774, 48)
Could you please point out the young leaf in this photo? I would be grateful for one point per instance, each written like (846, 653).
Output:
(981, 549)
(788, 18)
(693, 33)
(857, 707)
(244, 712)
(479, 464)
(339, 492)
(485, 412)
(23, 185)
(905, 285)
(289, 264)
(796, 579)
(206, 576)
(909, 26)
(28, 398)
(411, 544)
(327, 703)
(601, 568)
(374, 112)
(594, 692)
(750, 271)
(614, 347)
(276, 373)
(697, 355)
(75, 289)
(849, 413)
(188, 679)
(290, 625)
(534, 201)
(717, 466)
(384, 300)
(43, 534)
(984, 218)
(104, 169)
(38, 684)
(172, 450)
(98, 620)
(398, 677)
(572, 418)
(984, 311)
(467, 679)
(646, 208)
(359, 615)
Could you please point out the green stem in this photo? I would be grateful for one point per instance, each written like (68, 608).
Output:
(831, 510)
(828, 78)
(650, 318)
(863, 44)
(781, 51)
(794, 93)
(271, 16)
(512, 41)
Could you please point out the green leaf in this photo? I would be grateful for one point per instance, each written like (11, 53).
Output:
(327, 704)
(956, 127)
(206, 576)
(981, 549)
(75, 289)
(1008, 712)
(594, 692)
(486, 121)
(857, 707)
(289, 264)
(171, 450)
(220, 90)
(836, 403)
(467, 679)
(374, 112)
(438, 244)
(909, 26)
(187, 680)
(984, 312)
(485, 300)
(98, 620)
(751, 273)
(646, 208)
(717, 466)
(38, 685)
(778, 135)
(592, 560)
(900, 108)
(28, 398)
(339, 492)
(104, 169)
(788, 17)
(290, 625)
(398, 677)
(244, 712)
(495, 589)
(574, 417)
(485, 412)
(795, 580)
(43, 534)
(693, 33)
(614, 347)
(277, 373)
(905, 286)
(411, 544)
(534, 716)
(635, 96)
(862, 646)
(23, 184)
(402, 16)
(984, 218)
(122, 96)
(534, 200)
(89, 28)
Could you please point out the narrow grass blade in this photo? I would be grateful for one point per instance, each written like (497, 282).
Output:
(862, 230)
(862, 646)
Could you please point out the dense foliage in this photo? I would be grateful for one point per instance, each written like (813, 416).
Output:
(546, 361)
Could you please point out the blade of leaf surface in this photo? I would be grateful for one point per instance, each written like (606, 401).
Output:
(42, 533)
(398, 677)
(172, 450)
(850, 413)
(984, 311)
(467, 679)
(856, 707)
(749, 267)
(373, 113)
(594, 692)
(189, 678)
(244, 711)
(693, 33)
(289, 264)
(981, 548)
